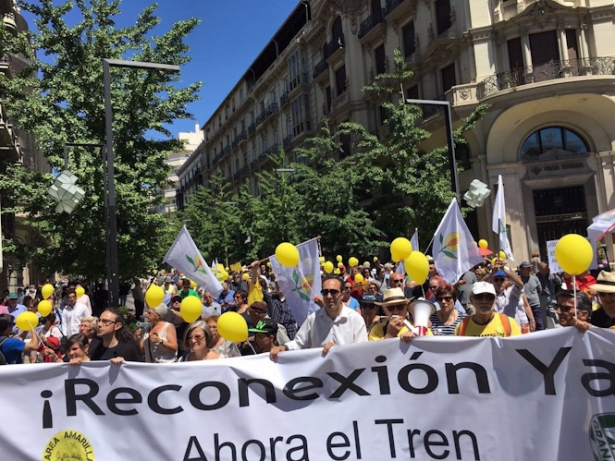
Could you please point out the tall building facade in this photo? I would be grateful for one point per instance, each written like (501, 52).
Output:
(16, 146)
(545, 67)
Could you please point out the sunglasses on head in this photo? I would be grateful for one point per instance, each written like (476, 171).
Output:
(326, 292)
(487, 296)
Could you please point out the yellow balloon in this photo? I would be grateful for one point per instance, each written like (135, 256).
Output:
(502, 254)
(352, 262)
(367, 264)
(483, 243)
(321, 260)
(287, 254)
(44, 308)
(417, 267)
(400, 249)
(375, 259)
(80, 291)
(192, 284)
(154, 296)
(47, 290)
(337, 272)
(190, 308)
(328, 267)
(26, 321)
(339, 258)
(358, 278)
(574, 254)
(246, 276)
(233, 327)
(340, 265)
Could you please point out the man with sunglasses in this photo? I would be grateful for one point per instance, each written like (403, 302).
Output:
(332, 325)
(486, 321)
(564, 306)
(509, 300)
(395, 306)
(604, 316)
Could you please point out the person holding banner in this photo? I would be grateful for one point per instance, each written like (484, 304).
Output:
(395, 306)
(486, 322)
(13, 348)
(565, 307)
(196, 340)
(117, 343)
(333, 325)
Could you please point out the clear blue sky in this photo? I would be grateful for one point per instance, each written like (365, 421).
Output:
(229, 37)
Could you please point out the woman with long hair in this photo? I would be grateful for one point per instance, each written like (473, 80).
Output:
(197, 338)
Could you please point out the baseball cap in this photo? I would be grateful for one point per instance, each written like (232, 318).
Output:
(176, 298)
(265, 326)
(525, 264)
(13, 296)
(483, 287)
(368, 299)
(500, 273)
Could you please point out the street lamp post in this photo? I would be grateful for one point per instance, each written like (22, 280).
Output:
(452, 161)
(113, 268)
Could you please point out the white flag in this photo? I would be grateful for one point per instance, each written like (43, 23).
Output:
(186, 258)
(454, 250)
(499, 220)
(299, 284)
(415, 240)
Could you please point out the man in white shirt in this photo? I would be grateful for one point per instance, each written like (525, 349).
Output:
(330, 326)
(72, 314)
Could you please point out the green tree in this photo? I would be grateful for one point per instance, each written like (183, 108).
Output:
(415, 185)
(61, 99)
(212, 219)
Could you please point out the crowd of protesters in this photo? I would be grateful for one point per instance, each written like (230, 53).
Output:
(490, 300)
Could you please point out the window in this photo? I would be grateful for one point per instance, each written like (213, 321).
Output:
(346, 143)
(557, 141)
(409, 36)
(328, 100)
(336, 30)
(340, 80)
(380, 60)
(443, 15)
(463, 156)
(413, 92)
(449, 79)
(296, 66)
(300, 115)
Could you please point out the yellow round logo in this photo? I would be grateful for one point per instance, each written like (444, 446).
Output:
(452, 241)
(69, 444)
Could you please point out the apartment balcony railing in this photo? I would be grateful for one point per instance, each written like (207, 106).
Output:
(372, 21)
(300, 79)
(430, 110)
(284, 99)
(391, 5)
(334, 45)
(550, 71)
(320, 68)
(242, 136)
(268, 112)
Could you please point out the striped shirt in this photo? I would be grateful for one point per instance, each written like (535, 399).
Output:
(439, 329)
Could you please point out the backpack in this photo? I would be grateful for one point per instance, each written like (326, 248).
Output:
(503, 318)
(2, 357)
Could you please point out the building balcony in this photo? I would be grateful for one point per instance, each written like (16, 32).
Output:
(252, 128)
(553, 70)
(268, 112)
(320, 68)
(333, 47)
(300, 79)
(242, 136)
(367, 29)
(395, 9)
(284, 99)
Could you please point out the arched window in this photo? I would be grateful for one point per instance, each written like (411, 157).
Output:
(336, 29)
(553, 142)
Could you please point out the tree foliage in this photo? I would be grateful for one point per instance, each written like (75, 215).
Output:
(60, 98)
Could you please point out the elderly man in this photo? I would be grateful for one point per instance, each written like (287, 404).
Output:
(509, 300)
(604, 316)
(226, 298)
(486, 321)
(14, 308)
(395, 306)
(210, 307)
(333, 325)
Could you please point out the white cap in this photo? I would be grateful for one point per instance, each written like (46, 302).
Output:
(483, 287)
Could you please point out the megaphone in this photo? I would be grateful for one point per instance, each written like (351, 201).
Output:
(421, 310)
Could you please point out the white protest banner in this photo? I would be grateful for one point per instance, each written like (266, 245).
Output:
(553, 265)
(542, 396)
(299, 284)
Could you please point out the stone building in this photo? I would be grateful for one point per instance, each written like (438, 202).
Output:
(545, 67)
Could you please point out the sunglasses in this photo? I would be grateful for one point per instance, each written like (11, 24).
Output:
(487, 296)
(562, 308)
(397, 280)
(445, 298)
(326, 292)
(397, 307)
(367, 306)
